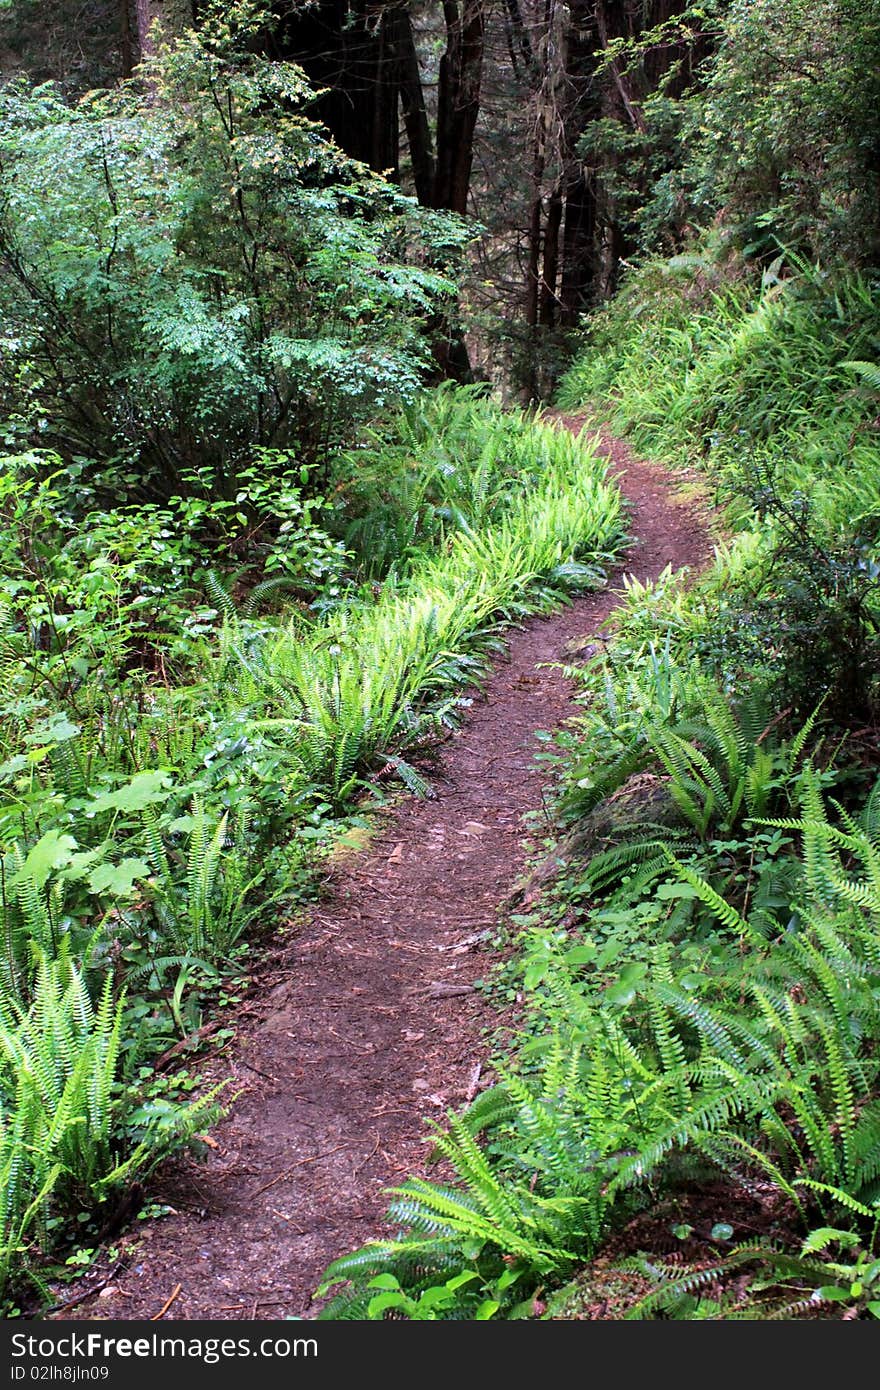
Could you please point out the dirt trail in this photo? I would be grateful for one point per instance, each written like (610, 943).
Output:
(375, 1024)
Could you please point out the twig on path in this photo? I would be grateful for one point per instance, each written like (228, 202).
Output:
(186, 1044)
(370, 1155)
(367, 1051)
(282, 1177)
(289, 1220)
(326, 1154)
(250, 1066)
(167, 1304)
(438, 989)
(84, 1294)
(265, 1188)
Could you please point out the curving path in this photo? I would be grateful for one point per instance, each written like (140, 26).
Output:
(372, 1023)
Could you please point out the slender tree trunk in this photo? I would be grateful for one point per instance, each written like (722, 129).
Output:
(126, 38)
(547, 308)
(519, 45)
(533, 259)
(412, 100)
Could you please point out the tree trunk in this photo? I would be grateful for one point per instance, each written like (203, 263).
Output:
(577, 288)
(550, 272)
(458, 102)
(412, 100)
(533, 259)
(173, 15)
(126, 39)
(148, 11)
(349, 51)
(384, 154)
(519, 45)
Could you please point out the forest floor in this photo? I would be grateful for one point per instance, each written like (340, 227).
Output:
(367, 1022)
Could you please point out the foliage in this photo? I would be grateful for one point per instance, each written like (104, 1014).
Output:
(765, 115)
(170, 774)
(450, 461)
(786, 124)
(778, 1283)
(191, 271)
(764, 387)
(70, 1134)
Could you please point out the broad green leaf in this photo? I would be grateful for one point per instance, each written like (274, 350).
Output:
(144, 789)
(580, 955)
(13, 765)
(118, 879)
(52, 851)
(56, 729)
(382, 1301)
(624, 991)
(833, 1293)
(487, 1309)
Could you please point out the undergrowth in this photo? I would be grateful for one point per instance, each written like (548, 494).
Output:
(173, 771)
(697, 975)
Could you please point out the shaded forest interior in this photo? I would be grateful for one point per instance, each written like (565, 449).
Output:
(505, 112)
(273, 278)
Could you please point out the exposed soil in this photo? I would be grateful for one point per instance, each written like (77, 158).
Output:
(374, 1025)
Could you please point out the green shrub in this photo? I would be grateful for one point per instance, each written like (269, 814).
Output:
(191, 271)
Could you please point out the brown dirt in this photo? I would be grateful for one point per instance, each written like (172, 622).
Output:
(375, 1024)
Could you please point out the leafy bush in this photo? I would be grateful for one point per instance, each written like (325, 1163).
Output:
(70, 1133)
(191, 271)
(768, 389)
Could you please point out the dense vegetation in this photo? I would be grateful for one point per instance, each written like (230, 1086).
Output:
(246, 563)
(696, 1084)
(254, 554)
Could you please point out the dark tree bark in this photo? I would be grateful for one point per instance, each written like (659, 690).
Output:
(412, 100)
(579, 261)
(458, 102)
(519, 45)
(126, 38)
(349, 51)
(533, 258)
(363, 54)
(595, 238)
